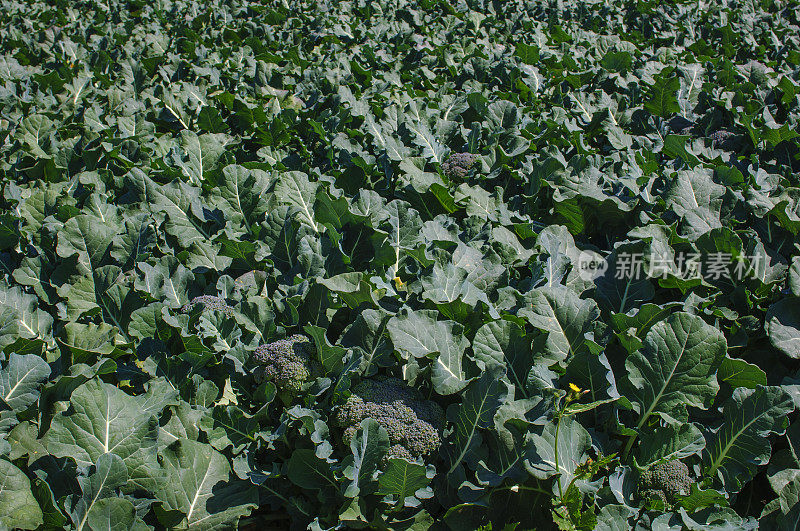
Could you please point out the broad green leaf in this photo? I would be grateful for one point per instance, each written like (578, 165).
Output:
(200, 487)
(104, 419)
(167, 281)
(505, 343)
(308, 471)
(564, 316)
(88, 342)
(739, 373)
(419, 334)
(51, 512)
(18, 507)
(663, 95)
(666, 443)
(402, 226)
(178, 201)
(184, 423)
(385, 138)
(675, 368)
(367, 336)
(675, 146)
(699, 498)
(9, 231)
(591, 371)
(623, 288)
(89, 238)
(481, 203)
(613, 517)
(21, 379)
(528, 54)
(632, 327)
(87, 512)
(401, 479)
(783, 326)
(295, 189)
(352, 287)
(476, 412)
(136, 241)
(114, 514)
(741, 444)
(331, 356)
(446, 283)
(242, 194)
(145, 321)
(422, 137)
(693, 195)
(369, 445)
(558, 451)
(201, 153)
(229, 426)
(36, 133)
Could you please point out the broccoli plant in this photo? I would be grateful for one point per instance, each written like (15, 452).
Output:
(664, 482)
(458, 165)
(208, 302)
(288, 363)
(414, 424)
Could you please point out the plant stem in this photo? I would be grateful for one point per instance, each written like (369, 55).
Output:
(558, 478)
(628, 446)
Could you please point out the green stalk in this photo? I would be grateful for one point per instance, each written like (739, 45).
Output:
(628, 446)
(558, 479)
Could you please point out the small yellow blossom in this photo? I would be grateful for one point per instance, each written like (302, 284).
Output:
(575, 388)
(399, 282)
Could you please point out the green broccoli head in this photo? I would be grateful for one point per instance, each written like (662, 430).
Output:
(208, 302)
(458, 165)
(665, 482)
(288, 363)
(414, 425)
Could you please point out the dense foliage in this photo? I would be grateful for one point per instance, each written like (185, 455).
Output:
(599, 289)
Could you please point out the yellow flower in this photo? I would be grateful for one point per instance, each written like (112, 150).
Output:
(399, 282)
(575, 388)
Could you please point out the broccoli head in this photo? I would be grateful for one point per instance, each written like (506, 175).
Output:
(414, 425)
(288, 363)
(665, 482)
(208, 302)
(457, 165)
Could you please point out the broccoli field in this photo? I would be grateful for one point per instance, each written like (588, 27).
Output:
(400, 265)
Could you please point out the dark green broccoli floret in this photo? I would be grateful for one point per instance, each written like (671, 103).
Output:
(413, 424)
(457, 165)
(208, 302)
(664, 482)
(288, 363)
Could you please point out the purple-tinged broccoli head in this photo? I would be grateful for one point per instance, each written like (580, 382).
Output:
(414, 425)
(288, 363)
(458, 165)
(208, 302)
